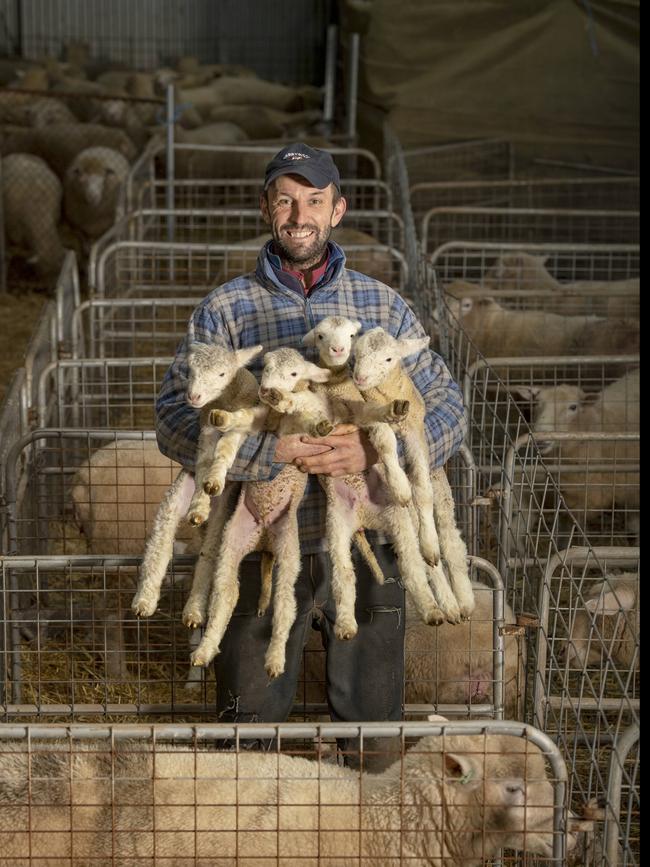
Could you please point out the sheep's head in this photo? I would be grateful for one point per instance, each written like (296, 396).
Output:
(212, 368)
(607, 623)
(284, 369)
(96, 174)
(556, 408)
(377, 354)
(333, 338)
(517, 270)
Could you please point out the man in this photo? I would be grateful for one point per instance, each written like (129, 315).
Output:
(300, 279)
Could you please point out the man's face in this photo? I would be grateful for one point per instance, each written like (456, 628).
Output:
(301, 218)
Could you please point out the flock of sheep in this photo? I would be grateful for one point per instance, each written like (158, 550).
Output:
(72, 154)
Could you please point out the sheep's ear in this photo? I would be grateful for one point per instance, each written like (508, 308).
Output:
(460, 768)
(528, 392)
(245, 356)
(612, 602)
(411, 346)
(314, 373)
(310, 338)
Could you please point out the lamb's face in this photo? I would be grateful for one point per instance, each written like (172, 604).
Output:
(377, 355)
(212, 369)
(516, 271)
(285, 368)
(608, 622)
(333, 338)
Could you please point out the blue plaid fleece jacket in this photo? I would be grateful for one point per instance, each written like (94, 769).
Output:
(269, 307)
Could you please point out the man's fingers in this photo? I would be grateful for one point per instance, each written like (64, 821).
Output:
(339, 430)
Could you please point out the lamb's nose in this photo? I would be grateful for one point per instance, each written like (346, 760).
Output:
(263, 391)
(194, 397)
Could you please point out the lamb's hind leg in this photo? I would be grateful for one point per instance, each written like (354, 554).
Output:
(420, 474)
(240, 537)
(342, 524)
(287, 551)
(413, 569)
(195, 610)
(384, 440)
(160, 544)
(453, 548)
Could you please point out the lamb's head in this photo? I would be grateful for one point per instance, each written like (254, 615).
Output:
(556, 408)
(333, 338)
(212, 368)
(470, 310)
(608, 623)
(96, 174)
(377, 354)
(285, 369)
(496, 789)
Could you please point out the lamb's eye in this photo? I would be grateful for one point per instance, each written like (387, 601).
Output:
(389, 359)
(320, 336)
(573, 407)
(222, 374)
(294, 374)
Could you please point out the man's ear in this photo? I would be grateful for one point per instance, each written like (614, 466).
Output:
(339, 210)
(264, 207)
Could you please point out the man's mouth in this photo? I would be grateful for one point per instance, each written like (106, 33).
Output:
(299, 234)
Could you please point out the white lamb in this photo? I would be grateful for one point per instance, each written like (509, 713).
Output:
(616, 409)
(607, 625)
(365, 500)
(380, 376)
(455, 800)
(217, 378)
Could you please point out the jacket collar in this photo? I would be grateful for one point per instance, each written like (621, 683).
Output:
(269, 270)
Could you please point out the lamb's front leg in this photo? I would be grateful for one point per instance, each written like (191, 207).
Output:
(199, 508)
(248, 420)
(224, 458)
(241, 536)
(454, 551)
(160, 544)
(417, 453)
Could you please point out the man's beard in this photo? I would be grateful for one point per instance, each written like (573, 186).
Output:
(310, 255)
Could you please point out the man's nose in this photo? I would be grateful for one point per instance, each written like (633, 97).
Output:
(298, 212)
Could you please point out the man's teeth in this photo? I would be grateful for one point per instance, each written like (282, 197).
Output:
(299, 234)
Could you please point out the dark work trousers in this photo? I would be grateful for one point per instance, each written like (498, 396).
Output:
(365, 676)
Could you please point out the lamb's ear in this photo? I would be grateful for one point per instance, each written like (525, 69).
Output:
(310, 338)
(612, 602)
(196, 348)
(314, 373)
(463, 769)
(356, 326)
(413, 345)
(245, 356)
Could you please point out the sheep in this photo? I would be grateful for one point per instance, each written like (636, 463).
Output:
(60, 143)
(91, 189)
(217, 378)
(379, 375)
(260, 121)
(566, 408)
(201, 163)
(26, 110)
(454, 665)
(360, 500)
(608, 623)
(456, 799)
(496, 331)
(520, 271)
(31, 198)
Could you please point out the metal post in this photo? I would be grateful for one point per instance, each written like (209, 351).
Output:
(170, 161)
(330, 77)
(353, 87)
(3, 250)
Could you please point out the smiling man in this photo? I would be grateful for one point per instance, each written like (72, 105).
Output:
(300, 279)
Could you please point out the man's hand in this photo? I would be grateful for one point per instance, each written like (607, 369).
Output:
(348, 451)
(292, 447)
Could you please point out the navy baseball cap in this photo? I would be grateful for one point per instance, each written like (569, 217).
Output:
(313, 164)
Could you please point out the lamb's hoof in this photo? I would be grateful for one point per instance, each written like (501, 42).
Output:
(213, 488)
(435, 617)
(400, 409)
(201, 657)
(431, 558)
(466, 611)
(193, 619)
(273, 396)
(262, 611)
(323, 428)
(218, 418)
(274, 669)
(345, 633)
(196, 519)
(142, 607)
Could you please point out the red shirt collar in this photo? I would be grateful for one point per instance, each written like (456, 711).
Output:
(310, 278)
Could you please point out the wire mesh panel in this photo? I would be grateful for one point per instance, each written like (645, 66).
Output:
(479, 159)
(173, 792)
(134, 269)
(41, 350)
(600, 194)
(13, 425)
(397, 177)
(527, 225)
(361, 194)
(96, 393)
(68, 299)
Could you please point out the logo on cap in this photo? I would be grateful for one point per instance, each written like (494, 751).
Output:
(295, 156)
